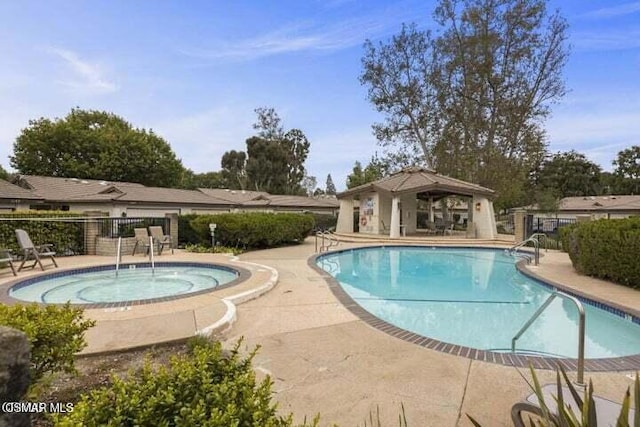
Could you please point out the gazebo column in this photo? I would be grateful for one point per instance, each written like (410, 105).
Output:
(431, 216)
(345, 216)
(395, 218)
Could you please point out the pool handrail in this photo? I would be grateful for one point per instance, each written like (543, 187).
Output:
(329, 236)
(535, 239)
(118, 255)
(151, 259)
(581, 328)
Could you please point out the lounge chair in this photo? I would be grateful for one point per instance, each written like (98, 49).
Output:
(5, 257)
(142, 240)
(607, 411)
(32, 252)
(160, 239)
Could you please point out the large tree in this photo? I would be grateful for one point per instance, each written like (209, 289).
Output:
(627, 170)
(96, 145)
(471, 101)
(330, 187)
(274, 159)
(375, 170)
(568, 174)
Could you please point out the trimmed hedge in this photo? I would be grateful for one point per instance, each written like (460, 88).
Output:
(67, 237)
(324, 221)
(254, 230)
(186, 234)
(606, 249)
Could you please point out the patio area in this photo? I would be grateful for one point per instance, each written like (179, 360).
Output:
(325, 360)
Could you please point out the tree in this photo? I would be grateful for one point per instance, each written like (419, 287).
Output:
(309, 183)
(628, 170)
(4, 174)
(569, 174)
(274, 160)
(95, 145)
(375, 170)
(471, 102)
(330, 187)
(233, 171)
(209, 180)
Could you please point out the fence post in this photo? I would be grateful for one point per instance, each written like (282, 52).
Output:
(519, 229)
(173, 228)
(91, 232)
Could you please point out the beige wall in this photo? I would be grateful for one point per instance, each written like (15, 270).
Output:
(484, 219)
(370, 211)
(409, 213)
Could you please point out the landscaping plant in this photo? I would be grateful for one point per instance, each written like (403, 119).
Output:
(56, 334)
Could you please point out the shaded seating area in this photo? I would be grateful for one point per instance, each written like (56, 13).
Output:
(160, 239)
(31, 252)
(7, 258)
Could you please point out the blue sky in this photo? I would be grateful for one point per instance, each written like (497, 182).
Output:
(194, 71)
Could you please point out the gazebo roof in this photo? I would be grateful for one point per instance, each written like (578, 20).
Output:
(419, 180)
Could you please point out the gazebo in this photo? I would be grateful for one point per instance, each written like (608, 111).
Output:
(390, 204)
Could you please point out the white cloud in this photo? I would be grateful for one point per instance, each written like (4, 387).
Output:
(610, 12)
(304, 36)
(85, 77)
(622, 39)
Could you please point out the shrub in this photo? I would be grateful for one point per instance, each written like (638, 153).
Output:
(186, 233)
(606, 249)
(255, 230)
(324, 221)
(201, 249)
(203, 388)
(67, 237)
(56, 334)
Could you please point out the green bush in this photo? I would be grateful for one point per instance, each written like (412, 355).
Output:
(186, 233)
(206, 387)
(325, 221)
(255, 230)
(201, 249)
(56, 334)
(606, 249)
(67, 237)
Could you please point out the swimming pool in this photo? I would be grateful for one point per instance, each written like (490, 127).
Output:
(134, 282)
(473, 297)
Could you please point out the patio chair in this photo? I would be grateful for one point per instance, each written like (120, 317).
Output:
(32, 252)
(5, 257)
(142, 240)
(607, 411)
(160, 239)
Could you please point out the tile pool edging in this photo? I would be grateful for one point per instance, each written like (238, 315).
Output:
(624, 363)
(242, 275)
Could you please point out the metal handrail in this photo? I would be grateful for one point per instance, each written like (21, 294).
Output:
(536, 243)
(581, 329)
(151, 259)
(323, 246)
(118, 255)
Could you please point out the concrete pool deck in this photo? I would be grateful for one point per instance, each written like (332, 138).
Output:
(325, 360)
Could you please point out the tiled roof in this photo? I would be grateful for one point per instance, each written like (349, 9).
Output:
(11, 191)
(71, 189)
(420, 180)
(600, 203)
(294, 201)
(235, 196)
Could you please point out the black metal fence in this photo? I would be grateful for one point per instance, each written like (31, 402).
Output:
(123, 227)
(549, 226)
(68, 234)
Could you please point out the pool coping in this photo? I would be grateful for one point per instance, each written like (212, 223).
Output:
(624, 363)
(5, 298)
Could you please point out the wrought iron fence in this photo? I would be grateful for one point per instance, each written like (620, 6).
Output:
(549, 226)
(504, 224)
(68, 234)
(123, 227)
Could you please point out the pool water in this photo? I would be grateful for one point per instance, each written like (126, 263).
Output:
(132, 283)
(474, 298)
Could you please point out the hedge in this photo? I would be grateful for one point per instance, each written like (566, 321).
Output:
(606, 249)
(254, 230)
(67, 237)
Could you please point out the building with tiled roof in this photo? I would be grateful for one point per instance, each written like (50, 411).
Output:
(14, 197)
(595, 207)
